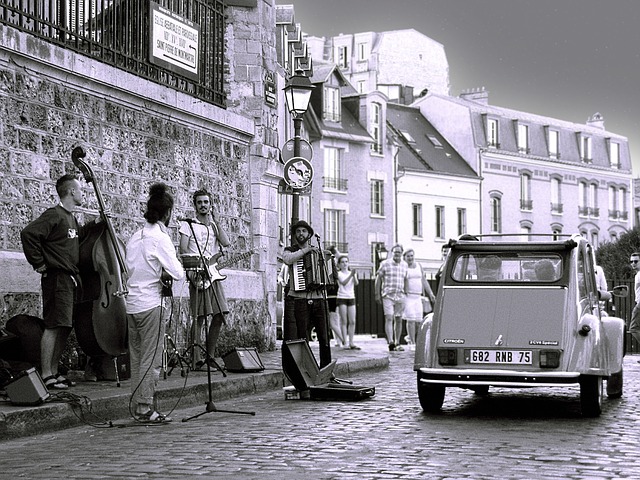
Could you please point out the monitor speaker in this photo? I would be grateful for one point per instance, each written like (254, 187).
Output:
(27, 388)
(243, 360)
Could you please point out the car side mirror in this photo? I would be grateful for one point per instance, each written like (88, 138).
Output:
(621, 291)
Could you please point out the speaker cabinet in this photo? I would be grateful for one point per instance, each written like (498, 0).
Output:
(27, 388)
(243, 360)
(300, 366)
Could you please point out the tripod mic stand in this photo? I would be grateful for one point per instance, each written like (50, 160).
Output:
(210, 407)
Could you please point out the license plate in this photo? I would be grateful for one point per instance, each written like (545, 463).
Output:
(506, 357)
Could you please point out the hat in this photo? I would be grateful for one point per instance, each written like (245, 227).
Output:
(303, 224)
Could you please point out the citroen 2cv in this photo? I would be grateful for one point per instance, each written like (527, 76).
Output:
(519, 314)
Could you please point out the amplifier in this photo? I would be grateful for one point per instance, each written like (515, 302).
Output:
(243, 360)
(27, 388)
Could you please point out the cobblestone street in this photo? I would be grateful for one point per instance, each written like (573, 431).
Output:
(535, 433)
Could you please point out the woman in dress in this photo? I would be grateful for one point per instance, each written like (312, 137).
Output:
(417, 288)
(346, 300)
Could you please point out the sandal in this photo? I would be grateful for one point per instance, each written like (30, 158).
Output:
(64, 380)
(153, 417)
(52, 383)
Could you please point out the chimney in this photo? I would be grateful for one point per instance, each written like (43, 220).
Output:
(478, 95)
(596, 120)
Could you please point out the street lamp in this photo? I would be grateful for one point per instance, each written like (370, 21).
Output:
(297, 93)
(381, 255)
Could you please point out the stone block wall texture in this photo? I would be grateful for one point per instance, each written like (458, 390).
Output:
(131, 144)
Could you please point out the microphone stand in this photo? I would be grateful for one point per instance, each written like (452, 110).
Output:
(324, 274)
(210, 407)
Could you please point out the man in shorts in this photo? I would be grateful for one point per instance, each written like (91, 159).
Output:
(51, 244)
(389, 291)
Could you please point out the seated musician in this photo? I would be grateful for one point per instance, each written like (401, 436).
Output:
(207, 298)
(305, 307)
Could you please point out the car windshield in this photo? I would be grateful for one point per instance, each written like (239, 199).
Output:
(507, 267)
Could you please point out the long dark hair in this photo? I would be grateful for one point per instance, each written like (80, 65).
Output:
(160, 202)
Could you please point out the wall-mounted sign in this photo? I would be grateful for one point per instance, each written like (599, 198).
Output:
(174, 41)
(270, 96)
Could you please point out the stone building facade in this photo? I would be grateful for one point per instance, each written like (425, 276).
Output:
(137, 132)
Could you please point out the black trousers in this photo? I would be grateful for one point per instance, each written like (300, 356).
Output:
(300, 315)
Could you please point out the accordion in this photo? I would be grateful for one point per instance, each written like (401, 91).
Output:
(313, 272)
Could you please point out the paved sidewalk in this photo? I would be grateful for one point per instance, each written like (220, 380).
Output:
(106, 401)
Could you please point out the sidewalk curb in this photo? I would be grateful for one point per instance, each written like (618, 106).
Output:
(113, 403)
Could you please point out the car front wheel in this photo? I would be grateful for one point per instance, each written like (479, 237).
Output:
(431, 396)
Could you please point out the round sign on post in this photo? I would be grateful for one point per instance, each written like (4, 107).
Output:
(298, 172)
(306, 151)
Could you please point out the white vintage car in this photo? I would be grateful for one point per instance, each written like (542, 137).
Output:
(520, 314)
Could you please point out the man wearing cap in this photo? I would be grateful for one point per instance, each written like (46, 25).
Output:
(304, 308)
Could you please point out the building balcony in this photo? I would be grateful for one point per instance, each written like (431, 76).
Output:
(335, 183)
(342, 247)
(556, 208)
(618, 215)
(526, 205)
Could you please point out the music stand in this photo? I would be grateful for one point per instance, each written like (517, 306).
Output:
(210, 407)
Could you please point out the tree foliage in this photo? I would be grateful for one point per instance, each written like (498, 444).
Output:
(613, 257)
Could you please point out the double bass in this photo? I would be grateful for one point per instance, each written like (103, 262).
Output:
(100, 318)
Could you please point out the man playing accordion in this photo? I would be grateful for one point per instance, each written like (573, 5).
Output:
(305, 305)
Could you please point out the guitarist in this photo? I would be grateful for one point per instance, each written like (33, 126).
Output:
(204, 236)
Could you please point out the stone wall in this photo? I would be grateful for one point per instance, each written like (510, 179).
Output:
(136, 133)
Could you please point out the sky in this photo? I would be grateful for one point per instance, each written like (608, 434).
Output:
(565, 59)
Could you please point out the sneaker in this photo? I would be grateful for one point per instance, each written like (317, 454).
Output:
(392, 347)
(355, 347)
(153, 417)
(399, 348)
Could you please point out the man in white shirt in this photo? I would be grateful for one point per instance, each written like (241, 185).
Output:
(150, 255)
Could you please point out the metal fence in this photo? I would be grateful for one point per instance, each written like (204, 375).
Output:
(120, 33)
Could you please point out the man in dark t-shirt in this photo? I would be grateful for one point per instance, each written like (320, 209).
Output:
(51, 244)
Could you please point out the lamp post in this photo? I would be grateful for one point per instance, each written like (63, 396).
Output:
(297, 93)
(381, 255)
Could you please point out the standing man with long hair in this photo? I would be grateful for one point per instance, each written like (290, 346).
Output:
(150, 253)
(204, 236)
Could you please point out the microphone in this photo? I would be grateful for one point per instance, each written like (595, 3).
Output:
(317, 236)
(188, 220)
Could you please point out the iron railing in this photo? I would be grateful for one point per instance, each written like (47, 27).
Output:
(119, 33)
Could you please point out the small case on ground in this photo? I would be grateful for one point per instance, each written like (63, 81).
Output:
(302, 370)
(338, 391)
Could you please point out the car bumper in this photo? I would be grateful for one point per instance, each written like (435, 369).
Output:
(497, 378)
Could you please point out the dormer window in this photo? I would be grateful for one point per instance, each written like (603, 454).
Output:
(375, 128)
(554, 145)
(523, 138)
(585, 149)
(331, 104)
(614, 154)
(492, 133)
(341, 57)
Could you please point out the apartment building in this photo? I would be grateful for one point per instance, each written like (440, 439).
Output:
(539, 174)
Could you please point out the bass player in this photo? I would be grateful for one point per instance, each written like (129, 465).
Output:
(202, 238)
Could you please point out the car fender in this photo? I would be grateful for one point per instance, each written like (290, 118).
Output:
(589, 355)
(423, 343)
(614, 336)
